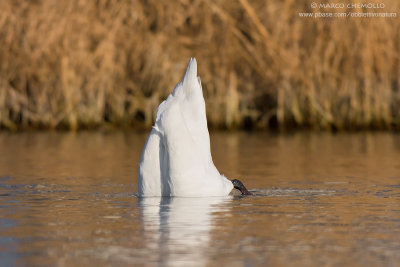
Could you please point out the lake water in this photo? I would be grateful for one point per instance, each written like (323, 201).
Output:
(69, 199)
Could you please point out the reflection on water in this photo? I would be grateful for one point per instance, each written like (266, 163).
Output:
(176, 226)
(319, 199)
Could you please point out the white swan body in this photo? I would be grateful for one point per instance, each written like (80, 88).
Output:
(176, 158)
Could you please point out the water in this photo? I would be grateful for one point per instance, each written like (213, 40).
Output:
(69, 200)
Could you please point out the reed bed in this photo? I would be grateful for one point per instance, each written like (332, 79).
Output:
(83, 64)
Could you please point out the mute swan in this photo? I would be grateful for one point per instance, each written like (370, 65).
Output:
(176, 158)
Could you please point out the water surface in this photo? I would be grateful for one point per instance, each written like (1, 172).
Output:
(69, 199)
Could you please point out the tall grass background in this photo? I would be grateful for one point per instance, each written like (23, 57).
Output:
(83, 64)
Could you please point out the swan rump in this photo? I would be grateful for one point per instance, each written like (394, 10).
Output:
(176, 158)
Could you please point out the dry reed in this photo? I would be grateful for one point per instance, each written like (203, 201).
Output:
(74, 64)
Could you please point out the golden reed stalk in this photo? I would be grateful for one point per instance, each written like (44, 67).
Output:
(82, 64)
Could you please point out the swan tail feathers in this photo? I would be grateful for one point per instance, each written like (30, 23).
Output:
(191, 70)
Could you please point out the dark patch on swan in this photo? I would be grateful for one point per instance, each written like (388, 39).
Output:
(237, 184)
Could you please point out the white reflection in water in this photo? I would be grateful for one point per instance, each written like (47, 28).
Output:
(179, 228)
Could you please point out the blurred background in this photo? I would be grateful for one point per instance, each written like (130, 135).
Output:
(108, 63)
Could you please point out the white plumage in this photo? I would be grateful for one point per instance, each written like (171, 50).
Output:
(176, 158)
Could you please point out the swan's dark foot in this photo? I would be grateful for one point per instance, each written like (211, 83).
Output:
(239, 186)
